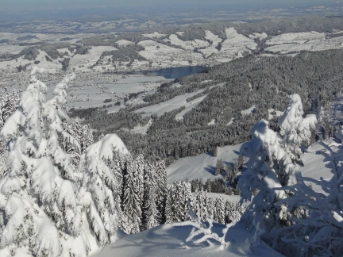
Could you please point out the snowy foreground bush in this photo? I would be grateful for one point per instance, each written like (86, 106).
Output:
(48, 207)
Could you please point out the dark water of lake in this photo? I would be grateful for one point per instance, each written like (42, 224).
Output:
(177, 72)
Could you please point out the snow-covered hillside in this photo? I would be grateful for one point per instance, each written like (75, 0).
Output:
(174, 240)
(201, 166)
(155, 50)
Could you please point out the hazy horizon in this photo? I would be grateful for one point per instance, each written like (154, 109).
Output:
(11, 5)
(40, 9)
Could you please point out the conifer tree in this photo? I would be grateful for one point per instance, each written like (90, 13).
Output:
(39, 185)
(48, 206)
(219, 214)
(99, 192)
(272, 167)
(161, 189)
(151, 216)
(133, 196)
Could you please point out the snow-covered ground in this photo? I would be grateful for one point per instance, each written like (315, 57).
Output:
(169, 105)
(234, 46)
(189, 106)
(154, 35)
(201, 166)
(274, 114)
(169, 50)
(309, 41)
(80, 63)
(318, 160)
(259, 36)
(142, 129)
(295, 38)
(174, 240)
(188, 45)
(124, 42)
(249, 110)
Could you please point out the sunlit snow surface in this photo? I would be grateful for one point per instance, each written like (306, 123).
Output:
(170, 240)
(201, 166)
(317, 161)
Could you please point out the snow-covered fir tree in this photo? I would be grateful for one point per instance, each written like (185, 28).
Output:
(99, 194)
(219, 213)
(48, 206)
(133, 192)
(295, 130)
(199, 205)
(313, 220)
(8, 105)
(83, 136)
(151, 216)
(161, 189)
(178, 201)
(44, 217)
(271, 168)
(210, 207)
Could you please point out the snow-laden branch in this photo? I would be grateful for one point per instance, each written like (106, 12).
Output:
(206, 233)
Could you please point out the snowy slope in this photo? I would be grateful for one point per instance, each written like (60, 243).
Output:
(318, 160)
(201, 166)
(171, 240)
(169, 105)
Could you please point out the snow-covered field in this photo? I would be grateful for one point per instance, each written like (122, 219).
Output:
(92, 89)
(172, 104)
(305, 41)
(318, 161)
(234, 46)
(249, 110)
(201, 166)
(169, 50)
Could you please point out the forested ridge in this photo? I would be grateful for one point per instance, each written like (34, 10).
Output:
(264, 82)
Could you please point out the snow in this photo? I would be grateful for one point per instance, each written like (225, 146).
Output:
(142, 129)
(201, 166)
(167, 106)
(317, 161)
(271, 115)
(175, 240)
(11, 49)
(212, 122)
(295, 38)
(189, 106)
(259, 36)
(93, 92)
(230, 122)
(235, 45)
(176, 85)
(154, 35)
(249, 110)
(230, 198)
(84, 62)
(188, 45)
(104, 149)
(309, 41)
(124, 42)
(160, 54)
